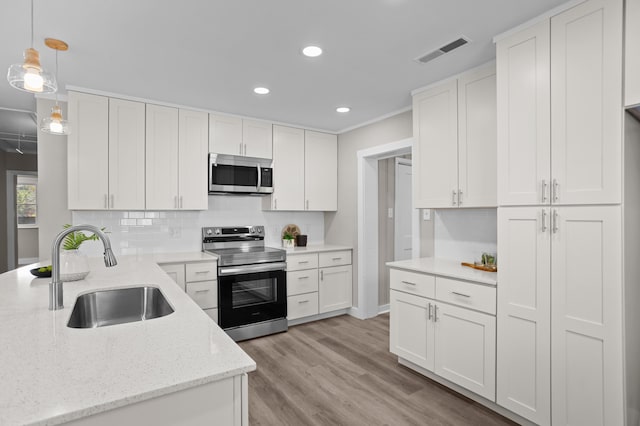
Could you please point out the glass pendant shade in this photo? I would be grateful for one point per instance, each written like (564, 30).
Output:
(29, 76)
(55, 124)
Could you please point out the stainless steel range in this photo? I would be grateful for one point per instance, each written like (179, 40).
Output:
(252, 281)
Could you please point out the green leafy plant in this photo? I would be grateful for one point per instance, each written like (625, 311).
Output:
(287, 236)
(74, 240)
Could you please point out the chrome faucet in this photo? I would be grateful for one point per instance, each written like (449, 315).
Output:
(55, 286)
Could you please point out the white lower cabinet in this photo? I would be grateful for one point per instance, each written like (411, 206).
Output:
(454, 342)
(199, 281)
(335, 288)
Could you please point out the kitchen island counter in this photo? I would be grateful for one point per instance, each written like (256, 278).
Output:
(52, 374)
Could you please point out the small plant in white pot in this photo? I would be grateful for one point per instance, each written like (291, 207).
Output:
(288, 240)
(74, 265)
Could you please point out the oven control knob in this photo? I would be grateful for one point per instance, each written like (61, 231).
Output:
(209, 232)
(217, 231)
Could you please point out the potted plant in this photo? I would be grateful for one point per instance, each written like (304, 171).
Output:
(74, 265)
(287, 240)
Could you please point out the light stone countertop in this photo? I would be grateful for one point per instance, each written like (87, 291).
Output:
(446, 268)
(318, 248)
(51, 374)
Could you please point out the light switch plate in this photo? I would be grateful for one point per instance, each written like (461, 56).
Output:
(390, 213)
(426, 214)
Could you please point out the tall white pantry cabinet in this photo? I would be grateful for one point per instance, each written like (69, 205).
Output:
(565, 262)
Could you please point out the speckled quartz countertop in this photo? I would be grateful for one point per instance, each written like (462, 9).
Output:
(51, 374)
(316, 249)
(445, 268)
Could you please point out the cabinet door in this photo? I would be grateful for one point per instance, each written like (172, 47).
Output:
(465, 353)
(410, 330)
(257, 139)
(586, 100)
(288, 168)
(477, 128)
(192, 160)
(176, 273)
(524, 112)
(162, 158)
(334, 290)
(320, 171)
(225, 134)
(524, 312)
(87, 152)
(586, 340)
(126, 155)
(632, 55)
(435, 150)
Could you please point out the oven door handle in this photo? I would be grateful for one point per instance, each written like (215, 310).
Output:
(248, 269)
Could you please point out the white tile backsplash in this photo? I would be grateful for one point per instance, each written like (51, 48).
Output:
(464, 234)
(180, 231)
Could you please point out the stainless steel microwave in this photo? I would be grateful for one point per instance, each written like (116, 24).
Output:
(233, 174)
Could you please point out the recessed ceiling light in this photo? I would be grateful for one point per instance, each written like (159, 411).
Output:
(343, 109)
(261, 90)
(312, 51)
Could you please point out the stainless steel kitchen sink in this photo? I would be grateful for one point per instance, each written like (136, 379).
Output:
(118, 306)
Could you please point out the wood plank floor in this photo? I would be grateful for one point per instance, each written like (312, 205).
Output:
(339, 371)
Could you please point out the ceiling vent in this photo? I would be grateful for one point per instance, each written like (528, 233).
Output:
(423, 59)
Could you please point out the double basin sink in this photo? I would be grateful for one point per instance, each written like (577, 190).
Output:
(118, 306)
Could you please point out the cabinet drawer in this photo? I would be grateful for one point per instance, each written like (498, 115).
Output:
(204, 293)
(299, 282)
(413, 282)
(302, 261)
(202, 271)
(213, 314)
(335, 258)
(302, 305)
(465, 294)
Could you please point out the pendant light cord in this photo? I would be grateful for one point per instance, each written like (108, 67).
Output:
(56, 74)
(32, 23)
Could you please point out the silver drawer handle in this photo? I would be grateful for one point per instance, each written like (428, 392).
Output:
(202, 291)
(336, 258)
(460, 294)
(303, 301)
(202, 272)
(408, 282)
(304, 278)
(302, 261)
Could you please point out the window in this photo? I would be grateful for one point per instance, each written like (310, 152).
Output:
(26, 205)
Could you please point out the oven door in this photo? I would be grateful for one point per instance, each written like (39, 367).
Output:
(250, 294)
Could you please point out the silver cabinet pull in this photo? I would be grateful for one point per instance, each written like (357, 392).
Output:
(336, 258)
(181, 201)
(555, 190)
(175, 201)
(459, 197)
(202, 272)
(275, 204)
(300, 262)
(544, 190)
(303, 301)
(408, 282)
(430, 315)
(555, 221)
(544, 220)
(460, 294)
(307, 204)
(321, 275)
(202, 291)
(111, 201)
(245, 149)
(435, 313)
(306, 277)
(453, 197)
(240, 148)
(106, 203)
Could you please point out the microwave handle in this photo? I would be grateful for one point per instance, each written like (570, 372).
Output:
(259, 177)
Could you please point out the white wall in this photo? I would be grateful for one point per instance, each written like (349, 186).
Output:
(144, 232)
(464, 234)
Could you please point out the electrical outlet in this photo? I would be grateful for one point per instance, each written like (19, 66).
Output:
(390, 213)
(426, 214)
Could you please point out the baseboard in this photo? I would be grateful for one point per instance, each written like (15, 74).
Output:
(459, 389)
(383, 309)
(318, 317)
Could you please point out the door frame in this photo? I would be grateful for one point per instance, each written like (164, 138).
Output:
(399, 162)
(12, 226)
(367, 222)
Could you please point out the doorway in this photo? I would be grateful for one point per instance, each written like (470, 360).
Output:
(22, 224)
(368, 224)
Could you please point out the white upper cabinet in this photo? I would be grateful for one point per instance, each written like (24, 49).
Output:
(257, 139)
(320, 171)
(524, 114)
(88, 152)
(435, 151)
(477, 129)
(305, 170)
(454, 126)
(581, 164)
(632, 56)
(288, 169)
(225, 134)
(586, 101)
(193, 137)
(162, 158)
(126, 155)
(237, 136)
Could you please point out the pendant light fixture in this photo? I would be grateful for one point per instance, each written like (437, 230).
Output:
(29, 76)
(55, 124)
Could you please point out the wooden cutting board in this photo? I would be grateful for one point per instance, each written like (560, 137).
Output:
(480, 267)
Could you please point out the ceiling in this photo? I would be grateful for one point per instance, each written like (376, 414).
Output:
(210, 54)
(18, 130)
